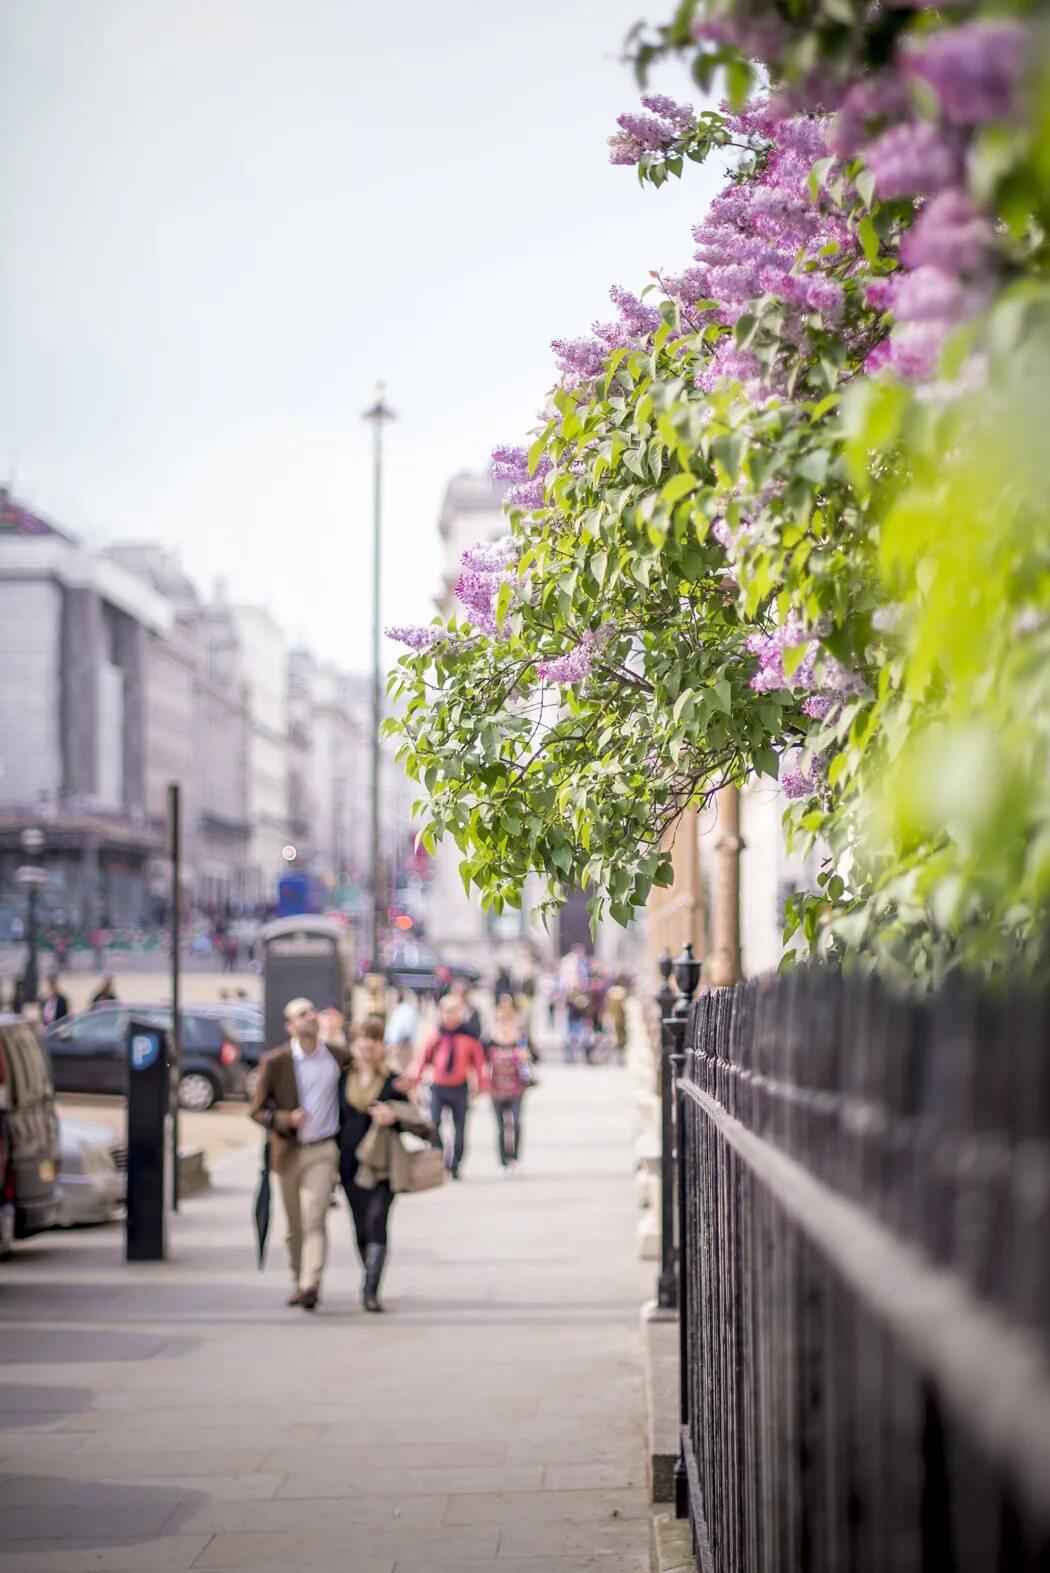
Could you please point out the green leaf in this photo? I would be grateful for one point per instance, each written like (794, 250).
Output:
(868, 239)
(677, 487)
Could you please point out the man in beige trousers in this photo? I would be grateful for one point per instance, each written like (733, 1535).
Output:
(296, 1099)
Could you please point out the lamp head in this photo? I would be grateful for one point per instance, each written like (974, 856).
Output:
(380, 412)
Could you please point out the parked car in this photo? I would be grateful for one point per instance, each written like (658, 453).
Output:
(89, 1052)
(29, 1152)
(251, 1025)
(93, 1172)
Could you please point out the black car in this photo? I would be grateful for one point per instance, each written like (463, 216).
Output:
(89, 1052)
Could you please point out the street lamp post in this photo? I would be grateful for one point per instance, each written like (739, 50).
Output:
(377, 417)
(32, 877)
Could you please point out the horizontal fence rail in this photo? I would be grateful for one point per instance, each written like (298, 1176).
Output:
(864, 1222)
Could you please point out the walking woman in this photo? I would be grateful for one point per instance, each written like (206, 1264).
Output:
(510, 1059)
(372, 1163)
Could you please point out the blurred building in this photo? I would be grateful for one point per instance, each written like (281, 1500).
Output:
(75, 631)
(195, 726)
(263, 660)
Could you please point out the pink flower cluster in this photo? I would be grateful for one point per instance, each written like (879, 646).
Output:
(661, 129)
(836, 682)
(795, 781)
(417, 637)
(511, 467)
(577, 664)
(486, 568)
(974, 71)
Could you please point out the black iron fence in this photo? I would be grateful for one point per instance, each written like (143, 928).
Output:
(864, 1203)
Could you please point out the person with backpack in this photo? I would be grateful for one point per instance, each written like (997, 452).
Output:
(510, 1060)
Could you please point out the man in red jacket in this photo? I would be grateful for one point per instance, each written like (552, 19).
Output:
(452, 1059)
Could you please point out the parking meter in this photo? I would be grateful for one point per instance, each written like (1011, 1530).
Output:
(304, 957)
(149, 1105)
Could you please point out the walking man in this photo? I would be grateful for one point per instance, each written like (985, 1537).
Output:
(296, 1100)
(452, 1058)
(55, 1005)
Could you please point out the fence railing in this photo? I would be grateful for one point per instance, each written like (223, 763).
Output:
(864, 1240)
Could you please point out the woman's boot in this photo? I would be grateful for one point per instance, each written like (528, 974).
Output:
(375, 1256)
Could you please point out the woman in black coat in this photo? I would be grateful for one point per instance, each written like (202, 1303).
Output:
(368, 1084)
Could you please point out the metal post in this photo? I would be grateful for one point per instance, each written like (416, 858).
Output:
(175, 851)
(687, 977)
(32, 876)
(667, 1283)
(377, 418)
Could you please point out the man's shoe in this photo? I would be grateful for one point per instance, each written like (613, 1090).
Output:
(309, 1299)
(295, 1298)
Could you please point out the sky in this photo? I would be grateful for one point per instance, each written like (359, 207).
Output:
(222, 221)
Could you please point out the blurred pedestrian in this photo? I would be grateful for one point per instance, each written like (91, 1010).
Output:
(54, 1005)
(453, 1061)
(510, 1059)
(616, 1015)
(577, 1026)
(373, 1166)
(106, 991)
(401, 1030)
(296, 1100)
(461, 990)
(596, 991)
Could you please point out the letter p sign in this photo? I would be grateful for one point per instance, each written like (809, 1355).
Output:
(145, 1046)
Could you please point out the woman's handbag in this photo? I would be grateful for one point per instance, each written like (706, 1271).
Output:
(426, 1168)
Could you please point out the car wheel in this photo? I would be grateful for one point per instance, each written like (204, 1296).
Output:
(197, 1091)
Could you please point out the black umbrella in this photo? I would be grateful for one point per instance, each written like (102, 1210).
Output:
(262, 1204)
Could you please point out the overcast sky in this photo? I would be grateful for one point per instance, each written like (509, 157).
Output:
(223, 220)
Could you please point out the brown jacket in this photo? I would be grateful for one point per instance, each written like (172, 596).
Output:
(276, 1098)
(380, 1155)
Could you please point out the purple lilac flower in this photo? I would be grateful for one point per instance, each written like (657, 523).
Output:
(949, 233)
(915, 349)
(927, 295)
(914, 159)
(511, 466)
(874, 98)
(578, 360)
(795, 781)
(575, 666)
(668, 109)
(486, 568)
(418, 637)
(818, 706)
(974, 69)
(639, 134)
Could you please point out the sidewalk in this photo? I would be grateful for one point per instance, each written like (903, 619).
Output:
(180, 1416)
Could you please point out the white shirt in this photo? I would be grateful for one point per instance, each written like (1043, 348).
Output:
(401, 1028)
(317, 1078)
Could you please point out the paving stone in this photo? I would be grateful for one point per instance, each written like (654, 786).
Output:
(95, 1491)
(579, 1563)
(313, 1514)
(310, 1551)
(543, 1507)
(325, 1461)
(364, 1481)
(170, 1554)
(107, 1465)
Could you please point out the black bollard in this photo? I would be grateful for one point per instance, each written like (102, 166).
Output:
(149, 1095)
